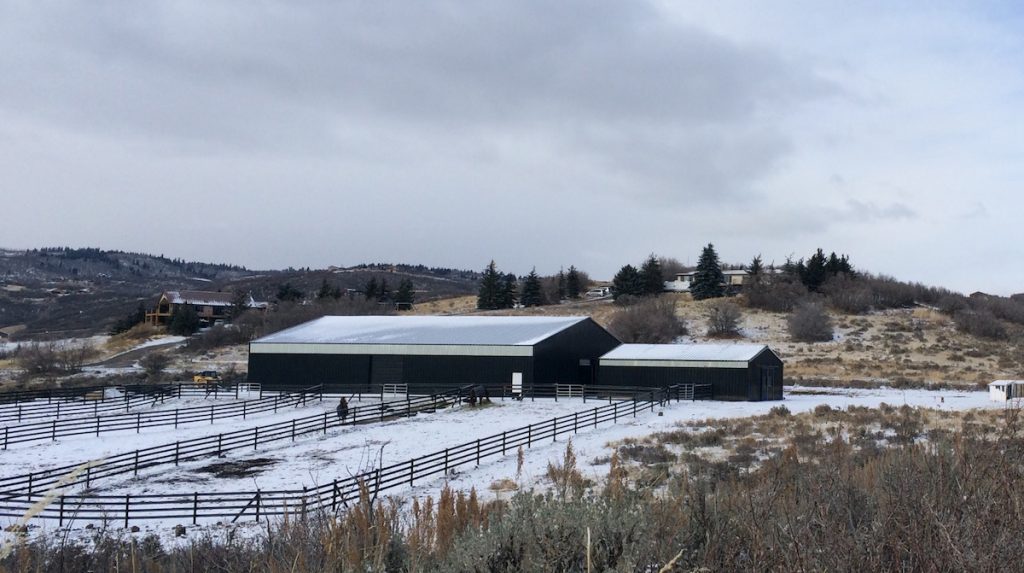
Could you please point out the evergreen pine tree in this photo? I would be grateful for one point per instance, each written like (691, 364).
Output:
(371, 290)
(561, 285)
(184, 321)
(287, 292)
(832, 266)
(384, 294)
(708, 280)
(651, 281)
(532, 295)
(756, 268)
(572, 283)
(814, 273)
(325, 290)
(626, 282)
(488, 297)
(405, 295)
(508, 291)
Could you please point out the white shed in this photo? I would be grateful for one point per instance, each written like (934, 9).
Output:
(1005, 390)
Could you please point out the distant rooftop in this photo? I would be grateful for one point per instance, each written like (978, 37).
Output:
(207, 298)
(687, 352)
(426, 330)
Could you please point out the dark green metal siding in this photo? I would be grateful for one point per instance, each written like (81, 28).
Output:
(420, 372)
(557, 358)
(726, 383)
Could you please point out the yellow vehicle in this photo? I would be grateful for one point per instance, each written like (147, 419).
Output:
(206, 377)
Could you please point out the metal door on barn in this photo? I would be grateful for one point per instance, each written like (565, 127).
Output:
(768, 382)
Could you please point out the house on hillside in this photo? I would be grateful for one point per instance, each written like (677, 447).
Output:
(210, 306)
(734, 280)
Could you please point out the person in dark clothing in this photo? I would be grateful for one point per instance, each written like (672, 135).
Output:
(342, 409)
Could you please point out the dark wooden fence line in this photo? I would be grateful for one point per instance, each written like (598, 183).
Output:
(94, 425)
(197, 448)
(333, 496)
(131, 397)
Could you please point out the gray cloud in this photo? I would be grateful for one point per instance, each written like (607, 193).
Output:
(535, 133)
(857, 211)
(674, 106)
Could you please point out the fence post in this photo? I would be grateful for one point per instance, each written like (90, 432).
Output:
(257, 506)
(5, 437)
(303, 503)
(554, 429)
(175, 418)
(478, 451)
(255, 437)
(195, 504)
(211, 413)
(53, 432)
(220, 438)
(615, 413)
(243, 404)
(176, 445)
(88, 475)
(127, 504)
(334, 495)
(446, 461)
(60, 520)
(138, 422)
(634, 407)
(595, 417)
(575, 422)
(503, 442)
(30, 485)
(136, 463)
(293, 430)
(325, 423)
(529, 435)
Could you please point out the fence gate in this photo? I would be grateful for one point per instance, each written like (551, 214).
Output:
(569, 390)
(394, 389)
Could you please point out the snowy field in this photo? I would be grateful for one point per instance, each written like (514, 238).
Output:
(318, 458)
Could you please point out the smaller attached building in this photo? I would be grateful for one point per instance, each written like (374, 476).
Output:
(1005, 390)
(734, 371)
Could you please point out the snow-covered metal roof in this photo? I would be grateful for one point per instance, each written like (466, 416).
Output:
(424, 330)
(687, 352)
(1005, 382)
(207, 298)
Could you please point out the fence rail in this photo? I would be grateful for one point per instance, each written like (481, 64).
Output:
(94, 425)
(131, 397)
(216, 445)
(331, 496)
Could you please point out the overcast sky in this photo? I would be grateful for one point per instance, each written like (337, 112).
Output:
(535, 133)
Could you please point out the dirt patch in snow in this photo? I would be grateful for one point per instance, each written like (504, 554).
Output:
(238, 469)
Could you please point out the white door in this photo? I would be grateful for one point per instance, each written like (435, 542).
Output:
(517, 382)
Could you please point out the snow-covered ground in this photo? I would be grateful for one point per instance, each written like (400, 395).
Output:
(318, 459)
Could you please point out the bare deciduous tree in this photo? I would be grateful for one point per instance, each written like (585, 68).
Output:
(723, 319)
(810, 323)
(651, 320)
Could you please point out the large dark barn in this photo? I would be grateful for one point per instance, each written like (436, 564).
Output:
(427, 352)
(734, 371)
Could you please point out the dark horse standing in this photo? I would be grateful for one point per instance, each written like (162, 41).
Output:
(477, 394)
(342, 409)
